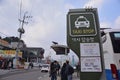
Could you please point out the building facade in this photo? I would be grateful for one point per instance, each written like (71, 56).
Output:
(33, 54)
(8, 50)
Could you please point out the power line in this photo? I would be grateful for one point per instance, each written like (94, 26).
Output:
(22, 21)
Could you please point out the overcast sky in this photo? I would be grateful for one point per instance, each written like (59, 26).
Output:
(48, 22)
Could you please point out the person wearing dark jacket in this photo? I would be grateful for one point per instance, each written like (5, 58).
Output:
(69, 71)
(63, 74)
(53, 71)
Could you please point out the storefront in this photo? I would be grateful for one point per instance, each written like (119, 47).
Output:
(9, 53)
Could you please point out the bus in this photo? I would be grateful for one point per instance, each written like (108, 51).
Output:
(111, 51)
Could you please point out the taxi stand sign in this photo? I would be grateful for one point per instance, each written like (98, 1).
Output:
(82, 20)
(83, 37)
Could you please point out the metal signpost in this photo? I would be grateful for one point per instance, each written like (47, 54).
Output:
(83, 37)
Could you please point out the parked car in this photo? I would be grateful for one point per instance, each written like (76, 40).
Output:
(35, 64)
(45, 68)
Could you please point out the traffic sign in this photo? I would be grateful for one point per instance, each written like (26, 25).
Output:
(83, 37)
(82, 24)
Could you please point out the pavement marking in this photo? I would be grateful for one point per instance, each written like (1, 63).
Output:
(39, 77)
(45, 75)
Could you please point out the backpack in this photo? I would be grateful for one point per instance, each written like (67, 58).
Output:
(71, 70)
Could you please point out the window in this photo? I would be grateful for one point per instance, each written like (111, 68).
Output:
(115, 38)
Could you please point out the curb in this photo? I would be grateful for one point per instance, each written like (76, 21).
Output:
(2, 72)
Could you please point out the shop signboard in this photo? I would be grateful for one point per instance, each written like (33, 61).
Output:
(9, 53)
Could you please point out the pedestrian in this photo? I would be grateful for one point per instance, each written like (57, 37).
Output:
(0, 64)
(53, 71)
(12, 64)
(78, 69)
(58, 68)
(9, 64)
(30, 65)
(63, 74)
(69, 70)
(3, 64)
(119, 72)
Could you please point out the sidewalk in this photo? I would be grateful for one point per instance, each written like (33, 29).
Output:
(2, 72)
(75, 76)
(46, 77)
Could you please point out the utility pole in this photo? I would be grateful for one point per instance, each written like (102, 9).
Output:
(21, 31)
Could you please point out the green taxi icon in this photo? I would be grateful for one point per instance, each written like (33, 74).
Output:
(82, 21)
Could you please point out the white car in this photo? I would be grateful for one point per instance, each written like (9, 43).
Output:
(45, 68)
(35, 64)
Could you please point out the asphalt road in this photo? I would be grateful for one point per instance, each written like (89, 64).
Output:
(31, 74)
(26, 75)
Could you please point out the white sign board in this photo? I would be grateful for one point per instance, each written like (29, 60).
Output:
(91, 64)
(89, 49)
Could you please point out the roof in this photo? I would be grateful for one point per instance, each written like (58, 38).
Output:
(60, 49)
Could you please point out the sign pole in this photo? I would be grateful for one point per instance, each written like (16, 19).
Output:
(83, 37)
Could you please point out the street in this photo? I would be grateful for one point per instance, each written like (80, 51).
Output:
(30, 75)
